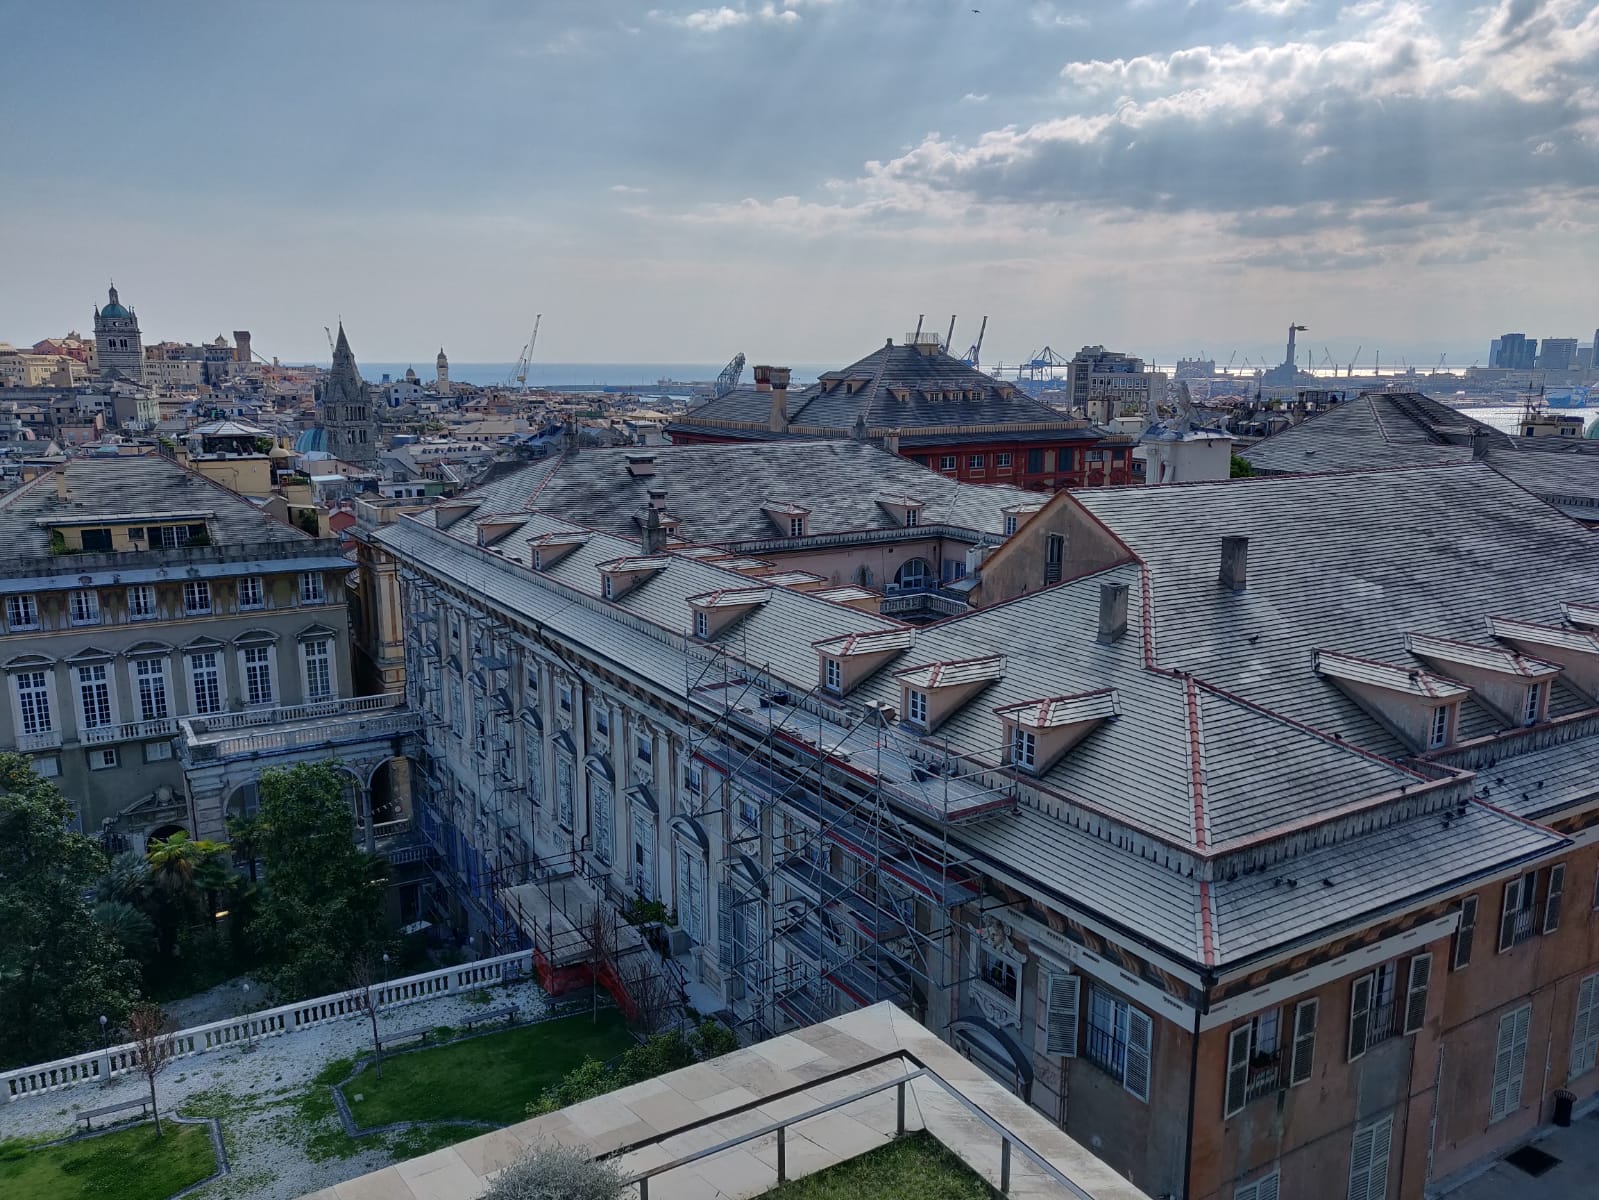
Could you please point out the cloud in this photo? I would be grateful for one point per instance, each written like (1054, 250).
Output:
(974, 97)
(1050, 16)
(703, 20)
(628, 189)
(1269, 8)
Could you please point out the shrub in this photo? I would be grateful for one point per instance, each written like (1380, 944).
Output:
(555, 1172)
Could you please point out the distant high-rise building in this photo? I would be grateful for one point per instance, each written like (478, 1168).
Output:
(1517, 352)
(442, 373)
(1558, 354)
(119, 349)
(1493, 353)
(346, 405)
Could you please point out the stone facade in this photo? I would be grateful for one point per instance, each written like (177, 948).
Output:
(345, 404)
(118, 346)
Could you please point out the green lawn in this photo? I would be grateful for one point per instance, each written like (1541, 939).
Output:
(490, 1078)
(915, 1167)
(130, 1164)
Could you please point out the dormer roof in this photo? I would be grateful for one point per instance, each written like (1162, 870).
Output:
(799, 580)
(1482, 658)
(960, 672)
(635, 565)
(1580, 641)
(451, 511)
(1586, 615)
(744, 566)
(1055, 712)
(1404, 680)
(786, 508)
(884, 641)
(551, 548)
(732, 598)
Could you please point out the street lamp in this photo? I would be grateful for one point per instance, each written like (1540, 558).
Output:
(249, 1031)
(105, 1039)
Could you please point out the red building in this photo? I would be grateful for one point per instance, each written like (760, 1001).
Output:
(927, 406)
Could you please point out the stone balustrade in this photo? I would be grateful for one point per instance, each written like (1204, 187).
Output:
(100, 1065)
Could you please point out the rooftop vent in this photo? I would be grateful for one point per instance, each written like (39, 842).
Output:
(1112, 612)
(640, 463)
(1234, 563)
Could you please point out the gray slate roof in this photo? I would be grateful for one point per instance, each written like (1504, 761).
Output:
(716, 491)
(147, 485)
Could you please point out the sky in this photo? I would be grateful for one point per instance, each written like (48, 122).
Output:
(799, 179)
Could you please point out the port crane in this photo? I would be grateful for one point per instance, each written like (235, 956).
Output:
(974, 356)
(728, 379)
(518, 377)
(1349, 371)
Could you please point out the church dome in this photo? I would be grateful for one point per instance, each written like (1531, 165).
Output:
(113, 307)
(410, 374)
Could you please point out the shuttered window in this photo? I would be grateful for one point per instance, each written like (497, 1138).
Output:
(1140, 1049)
(724, 926)
(1368, 1160)
(1359, 1015)
(1416, 992)
(1464, 934)
(1267, 1187)
(1510, 1063)
(1237, 1071)
(1585, 1028)
(1303, 1059)
(1065, 993)
(1551, 903)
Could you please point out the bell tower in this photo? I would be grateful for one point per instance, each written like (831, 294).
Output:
(118, 348)
(345, 402)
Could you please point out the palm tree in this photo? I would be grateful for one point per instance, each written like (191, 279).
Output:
(128, 926)
(126, 878)
(244, 835)
(174, 859)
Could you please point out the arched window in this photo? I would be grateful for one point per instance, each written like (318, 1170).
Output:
(913, 573)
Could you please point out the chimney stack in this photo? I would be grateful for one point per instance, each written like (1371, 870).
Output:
(777, 378)
(654, 531)
(763, 379)
(658, 499)
(1479, 443)
(61, 483)
(1235, 563)
(891, 442)
(1112, 612)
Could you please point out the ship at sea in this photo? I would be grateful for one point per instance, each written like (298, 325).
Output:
(1569, 397)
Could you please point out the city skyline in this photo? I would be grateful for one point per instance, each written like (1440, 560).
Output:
(1166, 180)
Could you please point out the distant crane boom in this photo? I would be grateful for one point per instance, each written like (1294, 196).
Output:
(949, 338)
(974, 356)
(728, 379)
(1350, 370)
(518, 377)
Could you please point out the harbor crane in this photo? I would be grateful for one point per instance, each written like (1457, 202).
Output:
(1349, 371)
(518, 377)
(949, 338)
(974, 355)
(728, 379)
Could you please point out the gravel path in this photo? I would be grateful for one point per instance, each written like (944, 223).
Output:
(282, 1133)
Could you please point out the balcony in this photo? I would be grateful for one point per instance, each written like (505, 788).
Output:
(128, 731)
(49, 739)
(296, 726)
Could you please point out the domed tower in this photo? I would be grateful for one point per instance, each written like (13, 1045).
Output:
(345, 402)
(117, 345)
(442, 377)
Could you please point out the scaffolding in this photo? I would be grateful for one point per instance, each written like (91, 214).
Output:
(839, 885)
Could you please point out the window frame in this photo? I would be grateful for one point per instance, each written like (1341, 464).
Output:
(833, 681)
(34, 696)
(193, 592)
(16, 607)
(259, 593)
(1465, 933)
(916, 707)
(213, 671)
(152, 688)
(140, 612)
(257, 676)
(313, 589)
(1024, 749)
(1002, 460)
(83, 607)
(316, 658)
(105, 700)
(1438, 730)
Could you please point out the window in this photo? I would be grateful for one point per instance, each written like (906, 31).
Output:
(912, 574)
(1439, 734)
(1000, 974)
(157, 751)
(796, 527)
(21, 613)
(690, 892)
(457, 707)
(1368, 1160)
(600, 803)
(1035, 460)
(103, 760)
(695, 779)
(96, 539)
(1061, 1005)
(94, 696)
(1303, 1059)
(141, 603)
(85, 608)
(1585, 1028)
(1465, 933)
(258, 674)
(566, 698)
(602, 721)
(318, 659)
(251, 593)
(702, 625)
(1534, 706)
(946, 462)
(608, 587)
(916, 707)
(205, 682)
(643, 857)
(1119, 1040)
(169, 537)
(33, 701)
(974, 462)
(196, 597)
(1010, 525)
(1510, 1063)
(150, 681)
(1552, 895)
(644, 747)
(46, 766)
(1267, 1187)
(913, 517)
(1002, 460)
(1054, 549)
(1416, 992)
(1023, 748)
(311, 587)
(563, 791)
(1515, 920)
(1254, 1060)
(833, 677)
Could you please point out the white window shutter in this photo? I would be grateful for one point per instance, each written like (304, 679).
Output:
(1585, 1028)
(1518, 1058)
(1303, 1057)
(1062, 1004)
(1359, 1015)
(1551, 904)
(1360, 1165)
(1269, 1188)
(1416, 992)
(724, 926)
(1377, 1176)
(1510, 1063)
(1507, 915)
(1465, 933)
(1237, 1070)
(1140, 1048)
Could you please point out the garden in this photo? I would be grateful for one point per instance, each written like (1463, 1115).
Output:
(102, 1166)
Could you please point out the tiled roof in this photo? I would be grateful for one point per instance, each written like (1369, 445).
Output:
(1482, 657)
(720, 494)
(888, 641)
(954, 672)
(1581, 641)
(1055, 711)
(732, 598)
(1403, 679)
(147, 485)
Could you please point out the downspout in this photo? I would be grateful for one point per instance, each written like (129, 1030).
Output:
(1193, 1090)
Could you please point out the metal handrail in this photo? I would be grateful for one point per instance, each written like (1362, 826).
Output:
(1007, 1138)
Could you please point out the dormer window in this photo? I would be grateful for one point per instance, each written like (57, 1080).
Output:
(796, 527)
(702, 625)
(1438, 735)
(913, 517)
(1532, 712)
(916, 707)
(1024, 749)
(832, 675)
(1010, 525)
(609, 588)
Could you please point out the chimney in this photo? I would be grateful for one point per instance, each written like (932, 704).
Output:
(891, 442)
(654, 531)
(777, 422)
(1234, 563)
(61, 484)
(640, 464)
(658, 499)
(1112, 612)
(1479, 443)
(763, 379)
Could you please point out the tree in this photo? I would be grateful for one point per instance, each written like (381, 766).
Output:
(175, 859)
(323, 908)
(365, 997)
(244, 835)
(1241, 468)
(60, 971)
(150, 1033)
(127, 925)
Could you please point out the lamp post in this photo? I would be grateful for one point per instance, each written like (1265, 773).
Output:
(105, 1037)
(249, 1025)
